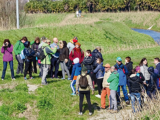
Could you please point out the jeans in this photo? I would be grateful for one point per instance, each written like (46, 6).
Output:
(64, 68)
(113, 100)
(81, 97)
(34, 64)
(5, 67)
(20, 64)
(54, 63)
(128, 84)
(72, 86)
(138, 97)
(124, 93)
(99, 83)
(45, 69)
(28, 67)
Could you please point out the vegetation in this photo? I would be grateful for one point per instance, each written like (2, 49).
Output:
(54, 101)
(49, 6)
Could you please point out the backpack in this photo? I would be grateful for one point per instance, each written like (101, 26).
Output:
(83, 82)
(40, 53)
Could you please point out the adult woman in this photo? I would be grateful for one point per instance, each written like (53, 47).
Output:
(35, 48)
(19, 46)
(63, 58)
(7, 49)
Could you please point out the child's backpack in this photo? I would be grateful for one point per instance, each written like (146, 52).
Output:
(83, 82)
(31, 53)
(40, 53)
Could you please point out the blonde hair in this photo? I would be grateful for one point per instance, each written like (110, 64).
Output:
(98, 48)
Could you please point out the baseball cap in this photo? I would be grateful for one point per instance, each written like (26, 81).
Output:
(107, 66)
(119, 59)
(43, 38)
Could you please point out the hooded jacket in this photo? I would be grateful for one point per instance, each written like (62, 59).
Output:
(129, 67)
(48, 52)
(122, 70)
(75, 54)
(113, 80)
(7, 53)
(18, 47)
(106, 76)
(99, 71)
(76, 68)
(96, 54)
(70, 46)
(135, 82)
(88, 62)
(63, 52)
(158, 68)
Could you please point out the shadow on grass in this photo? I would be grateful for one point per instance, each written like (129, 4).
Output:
(94, 107)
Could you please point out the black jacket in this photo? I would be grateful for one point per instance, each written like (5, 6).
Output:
(96, 54)
(35, 46)
(135, 82)
(88, 62)
(129, 67)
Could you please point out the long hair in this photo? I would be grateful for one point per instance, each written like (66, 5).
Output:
(141, 63)
(37, 38)
(9, 43)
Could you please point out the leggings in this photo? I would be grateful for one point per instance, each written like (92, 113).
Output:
(99, 83)
(64, 68)
(28, 67)
(81, 97)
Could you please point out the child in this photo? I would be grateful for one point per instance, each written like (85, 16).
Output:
(84, 84)
(114, 81)
(28, 53)
(99, 75)
(75, 72)
(135, 81)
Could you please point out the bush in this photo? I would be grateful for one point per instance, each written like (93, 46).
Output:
(19, 106)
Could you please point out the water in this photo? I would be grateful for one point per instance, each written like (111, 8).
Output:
(155, 35)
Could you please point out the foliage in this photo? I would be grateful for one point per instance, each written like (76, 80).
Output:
(48, 6)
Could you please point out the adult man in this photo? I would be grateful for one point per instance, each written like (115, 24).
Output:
(105, 84)
(46, 62)
(55, 59)
(43, 40)
(122, 70)
(19, 46)
(157, 63)
(114, 81)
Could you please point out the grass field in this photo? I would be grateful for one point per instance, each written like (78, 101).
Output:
(54, 101)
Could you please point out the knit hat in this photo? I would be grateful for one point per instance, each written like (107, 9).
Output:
(119, 59)
(43, 38)
(47, 41)
(77, 43)
(107, 66)
(76, 60)
(137, 68)
(74, 40)
(84, 69)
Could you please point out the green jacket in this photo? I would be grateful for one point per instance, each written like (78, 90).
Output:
(113, 80)
(18, 47)
(31, 43)
(48, 52)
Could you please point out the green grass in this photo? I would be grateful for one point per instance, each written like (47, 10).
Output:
(54, 101)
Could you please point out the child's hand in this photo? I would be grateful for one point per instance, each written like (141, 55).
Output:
(92, 92)
(77, 92)
(71, 80)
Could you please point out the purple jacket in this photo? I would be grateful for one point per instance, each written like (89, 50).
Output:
(7, 54)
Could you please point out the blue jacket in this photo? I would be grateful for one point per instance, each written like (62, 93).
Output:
(158, 68)
(96, 54)
(76, 70)
(99, 71)
(122, 70)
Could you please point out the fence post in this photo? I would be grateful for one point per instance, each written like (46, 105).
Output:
(17, 13)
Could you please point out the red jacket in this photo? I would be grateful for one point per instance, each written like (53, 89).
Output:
(74, 54)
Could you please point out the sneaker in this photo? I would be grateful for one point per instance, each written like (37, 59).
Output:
(102, 108)
(13, 79)
(2, 79)
(73, 94)
(90, 113)
(25, 78)
(80, 113)
(113, 111)
(99, 96)
(109, 110)
(127, 102)
(62, 78)
(31, 78)
(69, 78)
